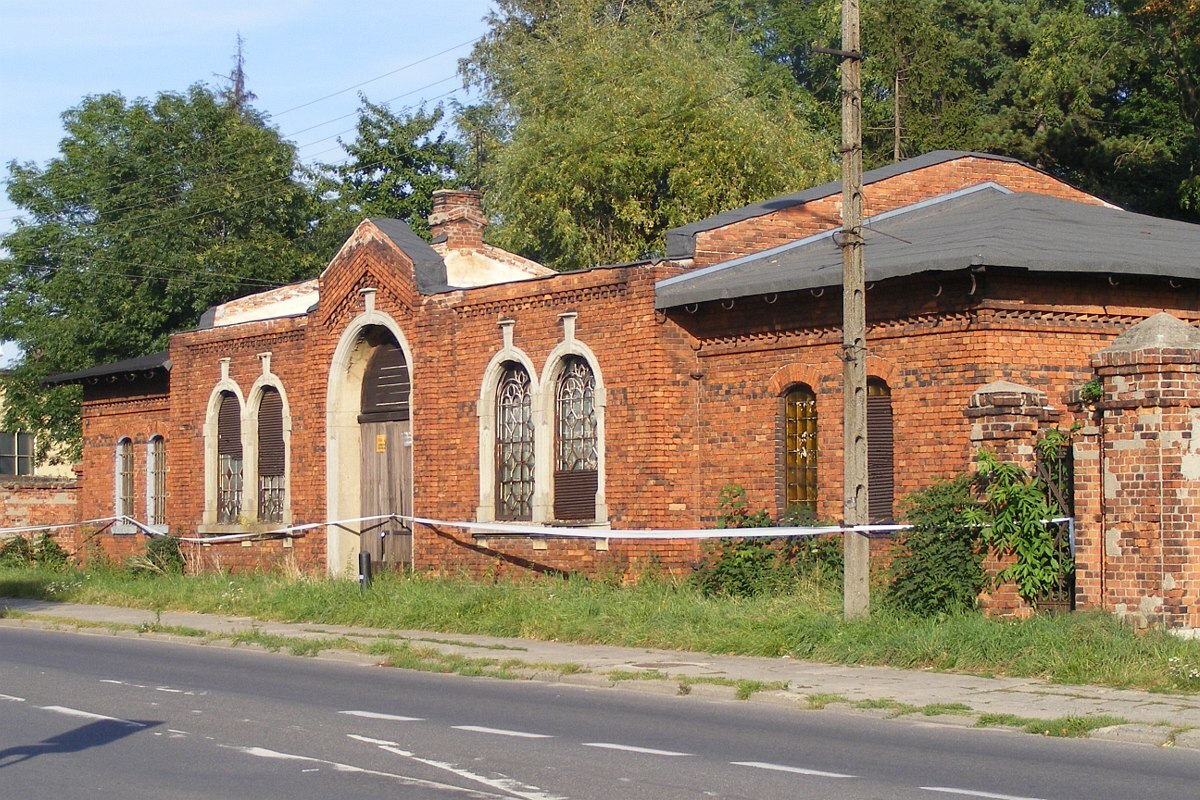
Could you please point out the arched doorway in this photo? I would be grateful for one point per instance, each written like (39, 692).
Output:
(385, 440)
(369, 445)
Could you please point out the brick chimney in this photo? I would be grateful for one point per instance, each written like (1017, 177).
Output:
(457, 218)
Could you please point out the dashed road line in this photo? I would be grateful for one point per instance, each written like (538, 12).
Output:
(974, 793)
(629, 748)
(75, 712)
(784, 768)
(502, 732)
(380, 715)
(10, 699)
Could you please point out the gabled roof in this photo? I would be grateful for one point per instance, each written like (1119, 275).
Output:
(681, 242)
(987, 226)
(428, 266)
(140, 367)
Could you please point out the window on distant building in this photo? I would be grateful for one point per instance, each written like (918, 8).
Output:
(229, 459)
(271, 456)
(880, 466)
(800, 448)
(16, 453)
(124, 476)
(156, 482)
(577, 458)
(514, 444)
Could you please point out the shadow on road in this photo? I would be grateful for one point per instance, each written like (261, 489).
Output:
(85, 737)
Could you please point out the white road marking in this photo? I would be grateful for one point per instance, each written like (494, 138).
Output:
(11, 699)
(503, 784)
(973, 793)
(262, 752)
(123, 683)
(632, 749)
(74, 712)
(378, 715)
(797, 770)
(369, 740)
(168, 689)
(502, 732)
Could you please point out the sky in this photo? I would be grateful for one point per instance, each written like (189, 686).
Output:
(305, 60)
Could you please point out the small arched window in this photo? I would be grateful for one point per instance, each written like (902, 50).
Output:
(156, 482)
(514, 445)
(271, 456)
(800, 449)
(577, 458)
(880, 460)
(124, 473)
(386, 385)
(229, 459)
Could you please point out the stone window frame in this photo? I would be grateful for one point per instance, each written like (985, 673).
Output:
(209, 522)
(156, 493)
(546, 441)
(250, 447)
(486, 411)
(124, 502)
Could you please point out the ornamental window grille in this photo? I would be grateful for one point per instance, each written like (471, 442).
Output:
(156, 472)
(125, 478)
(880, 459)
(16, 453)
(800, 449)
(271, 456)
(514, 445)
(229, 459)
(577, 459)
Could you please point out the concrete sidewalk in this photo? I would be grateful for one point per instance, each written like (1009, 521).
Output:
(935, 697)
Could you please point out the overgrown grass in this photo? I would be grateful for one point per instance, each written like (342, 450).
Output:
(1085, 648)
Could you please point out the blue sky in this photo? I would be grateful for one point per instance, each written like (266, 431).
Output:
(53, 53)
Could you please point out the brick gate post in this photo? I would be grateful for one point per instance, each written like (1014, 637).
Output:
(1150, 467)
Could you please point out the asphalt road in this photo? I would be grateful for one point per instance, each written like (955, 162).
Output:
(96, 716)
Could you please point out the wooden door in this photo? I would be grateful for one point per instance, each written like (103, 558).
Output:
(386, 487)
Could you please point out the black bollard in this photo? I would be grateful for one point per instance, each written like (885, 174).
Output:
(364, 570)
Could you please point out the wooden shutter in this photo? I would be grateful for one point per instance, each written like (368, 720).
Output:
(880, 458)
(575, 494)
(229, 427)
(386, 386)
(270, 433)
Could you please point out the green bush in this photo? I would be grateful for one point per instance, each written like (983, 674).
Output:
(163, 556)
(43, 551)
(937, 568)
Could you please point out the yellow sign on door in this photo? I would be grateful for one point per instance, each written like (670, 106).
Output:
(381, 443)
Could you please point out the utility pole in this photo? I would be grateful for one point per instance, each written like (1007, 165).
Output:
(856, 597)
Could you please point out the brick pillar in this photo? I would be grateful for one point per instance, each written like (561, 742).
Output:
(1086, 446)
(1149, 550)
(1006, 419)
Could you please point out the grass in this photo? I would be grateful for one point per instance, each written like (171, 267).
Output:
(1083, 648)
(1069, 727)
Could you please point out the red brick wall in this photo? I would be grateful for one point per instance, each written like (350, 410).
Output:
(780, 227)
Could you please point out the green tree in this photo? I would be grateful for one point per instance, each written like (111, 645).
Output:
(396, 162)
(626, 119)
(152, 212)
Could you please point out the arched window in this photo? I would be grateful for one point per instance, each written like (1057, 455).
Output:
(124, 473)
(514, 445)
(800, 449)
(156, 482)
(229, 459)
(271, 456)
(577, 459)
(880, 466)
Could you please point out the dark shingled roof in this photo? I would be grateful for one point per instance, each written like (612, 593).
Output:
(142, 366)
(429, 267)
(681, 242)
(986, 226)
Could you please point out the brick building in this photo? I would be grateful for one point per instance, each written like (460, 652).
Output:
(458, 382)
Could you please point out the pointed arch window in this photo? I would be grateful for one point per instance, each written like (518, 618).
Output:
(156, 482)
(577, 460)
(514, 445)
(124, 474)
(800, 449)
(229, 459)
(880, 459)
(271, 456)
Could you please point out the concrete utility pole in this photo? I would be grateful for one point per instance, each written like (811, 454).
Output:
(856, 598)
